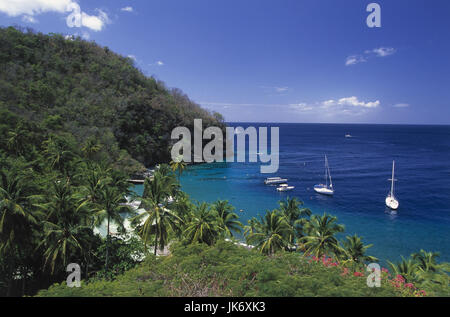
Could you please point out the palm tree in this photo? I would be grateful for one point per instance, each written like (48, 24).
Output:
(183, 206)
(155, 199)
(271, 233)
(112, 204)
(203, 226)
(228, 220)
(320, 235)
(17, 139)
(426, 261)
(16, 225)
(60, 241)
(162, 186)
(294, 215)
(64, 231)
(164, 170)
(90, 147)
(355, 250)
(57, 152)
(178, 165)
(159, 221)
(405, 268)
(94, 181)
(253, 226)
(15, 215)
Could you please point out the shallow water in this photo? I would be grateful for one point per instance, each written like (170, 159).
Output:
(360, 167)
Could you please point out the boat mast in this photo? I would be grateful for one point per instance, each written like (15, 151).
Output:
(326, 171)
(392, 183)
(329, 174)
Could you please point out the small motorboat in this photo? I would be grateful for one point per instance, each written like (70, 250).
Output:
(284, 188)
(275, 180)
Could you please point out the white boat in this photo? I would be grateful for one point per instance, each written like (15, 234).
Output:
(348, 135)
(284, 188)
(275, 180)
(327, 188)
(391, 201)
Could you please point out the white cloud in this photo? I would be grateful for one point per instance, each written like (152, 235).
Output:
(76, 18)
(383, 51)
(401, 105)
(354, 59)
(347, 105)
(157, 63)
(302, 107)
(29, 19)
(281, 89)
(377, 52)
(132, 57)
(127, 9)
(353, 101)
(93, 22)
(32, 7)
(275, 90)
(335, 108)
(328, 103)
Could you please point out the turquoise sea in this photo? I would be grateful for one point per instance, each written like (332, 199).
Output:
(360, 167)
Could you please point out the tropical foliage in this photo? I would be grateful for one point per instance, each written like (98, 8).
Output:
(78, 120)
(226, 269)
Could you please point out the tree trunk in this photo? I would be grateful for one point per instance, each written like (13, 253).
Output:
(107, 246)
(156, 239)
(10, 286)
(87, 262)
(24, 276)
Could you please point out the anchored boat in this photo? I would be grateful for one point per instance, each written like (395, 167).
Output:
(327, 188)
(275, 180)
(284, 188)
(391, 201)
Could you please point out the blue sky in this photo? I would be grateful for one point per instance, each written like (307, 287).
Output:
(277, 60)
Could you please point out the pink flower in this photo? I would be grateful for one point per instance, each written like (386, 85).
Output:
(384, 270)
(345, 271)
(358, 274)
(400, 278)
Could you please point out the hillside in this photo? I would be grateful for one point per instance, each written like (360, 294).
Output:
(52, 84)
(229, 270)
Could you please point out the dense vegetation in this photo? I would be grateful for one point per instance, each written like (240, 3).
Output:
(229, 270)
(73, 119)
(295, 253)
(53, 85)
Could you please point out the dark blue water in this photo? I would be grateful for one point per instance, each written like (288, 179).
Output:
(360, 167)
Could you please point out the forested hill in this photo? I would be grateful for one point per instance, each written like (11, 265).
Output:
(50, 83)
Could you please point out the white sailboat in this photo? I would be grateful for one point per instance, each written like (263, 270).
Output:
(327, 188)
(391, 201)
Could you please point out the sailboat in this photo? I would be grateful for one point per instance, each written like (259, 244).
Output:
(391, 201)
(327, 188)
